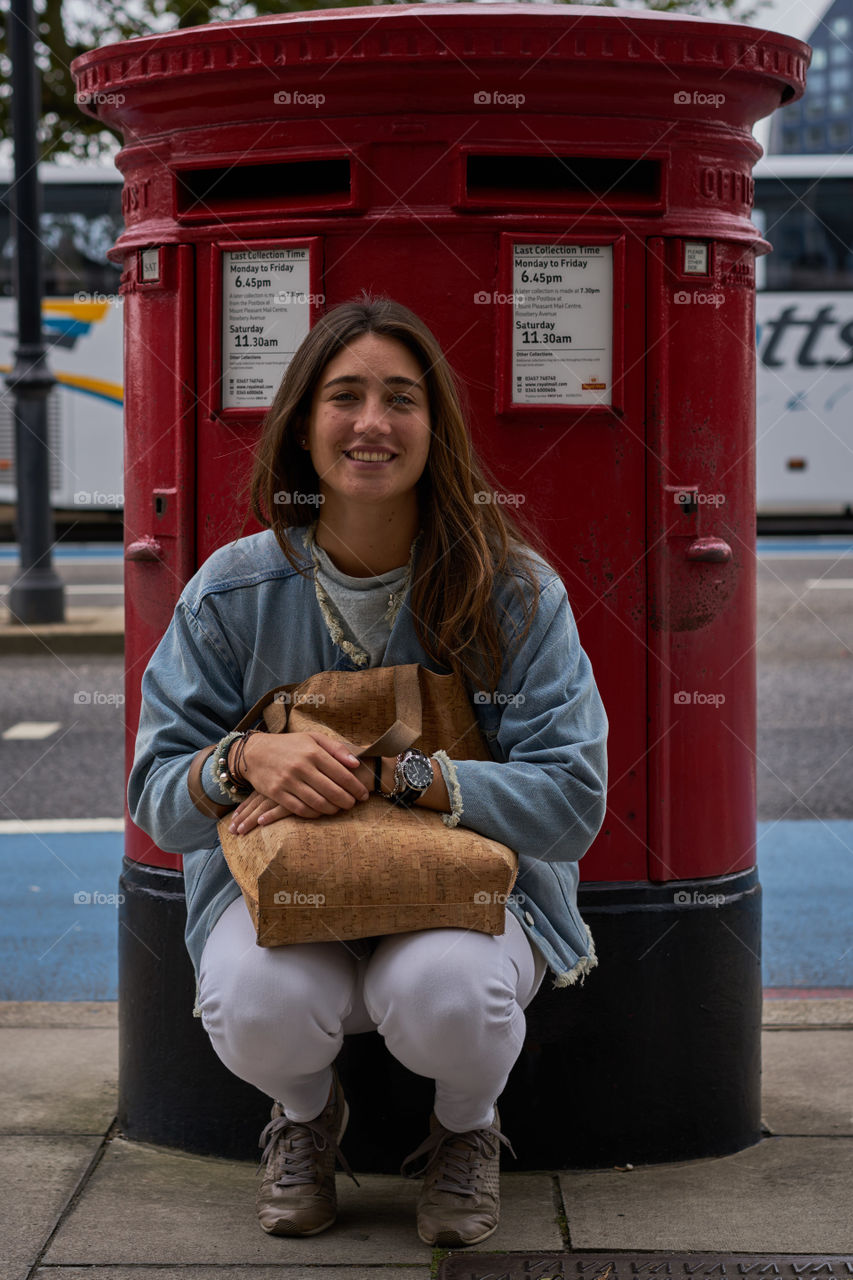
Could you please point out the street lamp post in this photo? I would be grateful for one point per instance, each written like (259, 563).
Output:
(37, 594)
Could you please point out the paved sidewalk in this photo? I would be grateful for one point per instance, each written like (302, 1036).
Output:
(77, 1195)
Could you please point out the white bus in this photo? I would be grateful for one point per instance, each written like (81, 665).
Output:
(82, 327)
(804, 333)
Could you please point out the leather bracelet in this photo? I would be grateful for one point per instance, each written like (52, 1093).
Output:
(377, 775)
(237, 774)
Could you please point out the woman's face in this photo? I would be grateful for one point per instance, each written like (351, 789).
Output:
(369, 425)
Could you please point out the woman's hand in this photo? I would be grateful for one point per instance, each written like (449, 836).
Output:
(303, 774)
(256, 810)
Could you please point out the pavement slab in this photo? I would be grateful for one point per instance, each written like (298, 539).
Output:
(807, 1083)
(38, 1176)
(58, 1080)
(784, 1195)
(147, 1203)
(396, 1272)
(162, 1207)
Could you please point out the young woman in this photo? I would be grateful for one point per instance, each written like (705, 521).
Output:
(404, 558)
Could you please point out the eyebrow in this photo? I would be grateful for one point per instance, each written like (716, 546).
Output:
(398, 380)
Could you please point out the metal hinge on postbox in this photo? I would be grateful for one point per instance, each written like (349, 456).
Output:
(708, 548)
(165, 503)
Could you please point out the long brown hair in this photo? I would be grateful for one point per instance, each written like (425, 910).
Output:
(465, 542)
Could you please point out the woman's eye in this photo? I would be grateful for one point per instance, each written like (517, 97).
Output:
(402, 399)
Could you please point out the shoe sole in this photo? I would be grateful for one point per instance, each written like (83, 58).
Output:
(287, 1230)
(450, 1239)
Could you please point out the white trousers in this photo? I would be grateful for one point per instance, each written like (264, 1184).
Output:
(448, 1002)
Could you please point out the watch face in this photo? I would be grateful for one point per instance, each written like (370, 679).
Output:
(417, 771)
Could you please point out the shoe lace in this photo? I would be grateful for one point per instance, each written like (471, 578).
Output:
(292, 1144)
(460, 1156)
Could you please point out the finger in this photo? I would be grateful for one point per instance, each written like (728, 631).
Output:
(337, 749)
(250, 808)
(273, 815)
(262, 817)
(332, 778)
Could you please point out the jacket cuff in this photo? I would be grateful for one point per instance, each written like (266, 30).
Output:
(199, 778)
(451, 781)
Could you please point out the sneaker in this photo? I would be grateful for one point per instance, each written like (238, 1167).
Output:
(297, 1196)
(460, 1200)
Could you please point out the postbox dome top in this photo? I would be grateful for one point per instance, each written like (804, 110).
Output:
(519, 35)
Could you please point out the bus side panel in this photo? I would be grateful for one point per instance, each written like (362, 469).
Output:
(805, 403)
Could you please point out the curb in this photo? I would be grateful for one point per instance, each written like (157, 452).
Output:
(86, 631)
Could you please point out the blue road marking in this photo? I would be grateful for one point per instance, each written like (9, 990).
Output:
(55, 948)
(790, 548)
(91, 554)
(51, 946)
(806, 871)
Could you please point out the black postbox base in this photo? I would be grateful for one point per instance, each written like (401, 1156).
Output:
(656, 1057)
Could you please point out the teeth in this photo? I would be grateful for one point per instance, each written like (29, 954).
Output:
(362, 455)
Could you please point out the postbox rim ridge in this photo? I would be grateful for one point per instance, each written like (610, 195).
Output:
(402, 17)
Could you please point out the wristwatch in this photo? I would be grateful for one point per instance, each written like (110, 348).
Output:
(412, 776)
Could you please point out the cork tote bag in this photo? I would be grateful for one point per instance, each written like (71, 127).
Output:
(376, 868)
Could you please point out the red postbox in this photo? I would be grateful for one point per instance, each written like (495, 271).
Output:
(564, 195)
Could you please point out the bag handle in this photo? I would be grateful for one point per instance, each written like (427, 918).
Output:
(407, 726)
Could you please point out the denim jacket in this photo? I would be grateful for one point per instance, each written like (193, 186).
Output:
(248, 621)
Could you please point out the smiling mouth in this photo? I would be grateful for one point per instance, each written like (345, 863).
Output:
(369, 455)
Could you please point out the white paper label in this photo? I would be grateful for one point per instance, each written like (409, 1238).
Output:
(266, 313)
(562, 324)
(150, 259)
(695, 258)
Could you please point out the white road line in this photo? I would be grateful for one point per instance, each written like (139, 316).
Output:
(81, 589)
(49, 826)
(31, 729)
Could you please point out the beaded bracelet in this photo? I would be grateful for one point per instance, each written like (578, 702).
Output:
(228, 785)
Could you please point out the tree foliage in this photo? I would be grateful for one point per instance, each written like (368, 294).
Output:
(67, 28)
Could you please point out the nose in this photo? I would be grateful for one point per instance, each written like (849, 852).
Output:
(372, 416)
